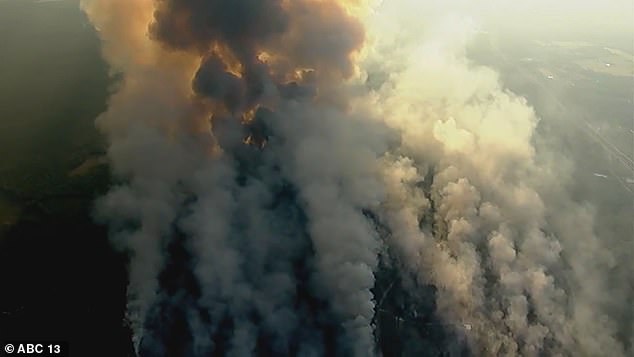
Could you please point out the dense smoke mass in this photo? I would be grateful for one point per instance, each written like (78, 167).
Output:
(328, 178)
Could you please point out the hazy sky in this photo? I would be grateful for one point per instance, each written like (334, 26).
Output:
(565, 16)
(539, 16)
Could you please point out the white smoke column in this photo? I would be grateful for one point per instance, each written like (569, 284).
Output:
(152, 99)
(494, 250)
(335, 162)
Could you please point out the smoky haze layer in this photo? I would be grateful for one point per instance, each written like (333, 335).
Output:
(276, 156)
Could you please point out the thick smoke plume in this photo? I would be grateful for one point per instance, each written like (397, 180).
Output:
(275, 158)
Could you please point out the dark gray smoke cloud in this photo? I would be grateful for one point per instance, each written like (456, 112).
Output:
(253, 239)
(196, 24)
(280, 197)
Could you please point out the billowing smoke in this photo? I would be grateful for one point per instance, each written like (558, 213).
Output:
(276, 156)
